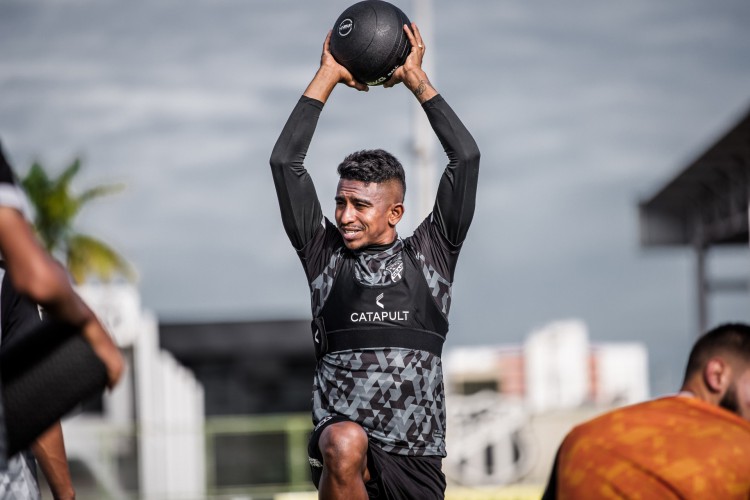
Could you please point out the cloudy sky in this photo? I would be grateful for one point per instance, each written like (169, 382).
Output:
(580, 109)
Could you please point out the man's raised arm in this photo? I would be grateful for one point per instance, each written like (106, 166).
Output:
(457, 191)
(456, 196)
(300, 208)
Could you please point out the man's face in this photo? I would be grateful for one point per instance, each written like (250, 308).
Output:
(366, 214)
(737, 397)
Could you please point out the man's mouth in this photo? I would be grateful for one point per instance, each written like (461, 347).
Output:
(350, 232)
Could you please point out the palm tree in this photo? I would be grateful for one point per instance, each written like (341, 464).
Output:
(56, 207)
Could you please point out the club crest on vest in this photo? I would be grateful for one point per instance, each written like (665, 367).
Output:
(395, 269)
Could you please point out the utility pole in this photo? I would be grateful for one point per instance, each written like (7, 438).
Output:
(423, 138)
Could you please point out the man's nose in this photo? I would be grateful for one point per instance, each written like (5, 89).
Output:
(347, 214)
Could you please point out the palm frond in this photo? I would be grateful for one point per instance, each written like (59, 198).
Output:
(36, 184)
(40, 190)
(63, 180)
(99, 191)
(56, 208)
(89, 256)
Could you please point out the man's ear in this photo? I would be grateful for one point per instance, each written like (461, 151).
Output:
(395, 214)
(717, 375)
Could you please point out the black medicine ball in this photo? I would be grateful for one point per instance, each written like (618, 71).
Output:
(368, 39)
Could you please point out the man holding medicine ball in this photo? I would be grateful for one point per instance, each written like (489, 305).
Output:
(380, 302)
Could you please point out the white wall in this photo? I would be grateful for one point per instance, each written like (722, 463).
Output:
(164, 396)
(622, 373)
(557, 366)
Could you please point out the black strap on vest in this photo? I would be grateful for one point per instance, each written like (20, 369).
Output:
(368, 338)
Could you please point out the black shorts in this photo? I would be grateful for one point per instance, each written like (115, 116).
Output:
(392, 477)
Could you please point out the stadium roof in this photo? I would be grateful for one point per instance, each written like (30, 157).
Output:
(707, 203)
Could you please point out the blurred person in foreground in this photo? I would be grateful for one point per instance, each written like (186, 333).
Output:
(37, 277)
(695, 444)
(19, 316)
(380, 303)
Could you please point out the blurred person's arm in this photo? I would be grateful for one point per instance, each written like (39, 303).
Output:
(49, 451)
(35, 274)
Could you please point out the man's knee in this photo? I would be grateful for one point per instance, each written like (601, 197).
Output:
(343, 444)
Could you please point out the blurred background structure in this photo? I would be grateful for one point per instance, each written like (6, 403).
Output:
(510, 406)
(703, 207)
(231, 419)
(146, 438)
(601, 127)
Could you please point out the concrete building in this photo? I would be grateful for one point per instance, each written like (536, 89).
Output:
(556, 368)
(147, 435)
(246, 367)
(509, 406)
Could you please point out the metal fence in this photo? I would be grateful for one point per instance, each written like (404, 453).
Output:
(257, 455)
(246, 458)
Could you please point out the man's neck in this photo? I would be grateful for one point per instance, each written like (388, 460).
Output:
(378, 247)
(696, 390)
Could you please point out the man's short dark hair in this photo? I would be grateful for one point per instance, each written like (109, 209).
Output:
(372, 165)
(727, 339)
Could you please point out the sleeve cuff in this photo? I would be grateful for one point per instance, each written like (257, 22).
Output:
(309, 100)
(11, 196)
(433, 101)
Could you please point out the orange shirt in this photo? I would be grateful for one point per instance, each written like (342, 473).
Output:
(673, 447)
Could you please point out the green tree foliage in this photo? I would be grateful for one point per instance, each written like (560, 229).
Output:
(56, 208)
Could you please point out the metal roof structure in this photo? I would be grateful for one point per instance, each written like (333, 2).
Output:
(707, 204)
